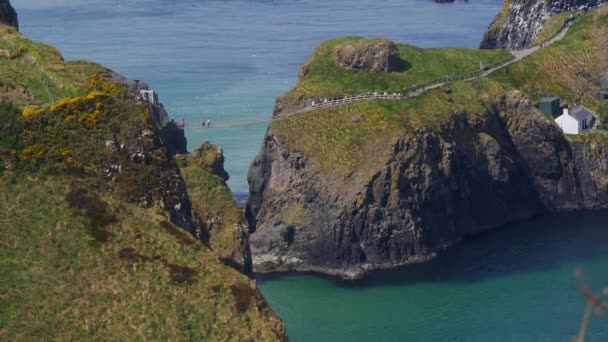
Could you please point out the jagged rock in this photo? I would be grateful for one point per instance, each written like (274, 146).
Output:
(435, 188)
(8, 15)
(520, 21)
(211, 158)
(378, 55)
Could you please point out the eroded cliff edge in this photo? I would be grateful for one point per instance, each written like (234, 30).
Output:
(379, 184)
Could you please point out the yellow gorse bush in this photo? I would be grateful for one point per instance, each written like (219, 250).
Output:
(29, 112)
(32, 152)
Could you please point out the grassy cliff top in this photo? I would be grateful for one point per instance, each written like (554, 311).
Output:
(359, 136)
(34, 73)
(325, 78)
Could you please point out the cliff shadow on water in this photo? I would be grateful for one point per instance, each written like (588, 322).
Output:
(542, 244)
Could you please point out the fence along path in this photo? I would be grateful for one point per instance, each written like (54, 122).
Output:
(418, 90)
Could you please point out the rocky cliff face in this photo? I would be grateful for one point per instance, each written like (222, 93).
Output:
(172, 136)
(436, 187)
(521, 21)
(368, 56)
(8, 15)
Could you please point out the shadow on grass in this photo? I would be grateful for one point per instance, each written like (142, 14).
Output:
(94, 209)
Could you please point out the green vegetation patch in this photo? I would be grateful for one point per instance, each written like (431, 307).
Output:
(34, 73)
(295, 215)
(326, 79)
(53, 137)
(140, 282)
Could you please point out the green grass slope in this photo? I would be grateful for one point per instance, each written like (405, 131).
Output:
(80, 257)
(77, 264)
(34, 73)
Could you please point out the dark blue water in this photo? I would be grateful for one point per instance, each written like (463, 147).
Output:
(228, 61)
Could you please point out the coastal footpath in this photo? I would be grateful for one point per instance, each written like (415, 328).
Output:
(377, 184)
(109, 229)
(520, 22)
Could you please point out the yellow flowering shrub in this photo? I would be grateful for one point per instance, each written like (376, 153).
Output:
(66, 153)
(32, 152)
(105, 87)
(29, 112)
(65, 103)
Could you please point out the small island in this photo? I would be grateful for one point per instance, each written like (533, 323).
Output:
(384, 154)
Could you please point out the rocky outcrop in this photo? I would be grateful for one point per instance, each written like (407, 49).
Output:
(172, 135)
(378, 55)
(211, 159)
(520, 21)
(437, 187)
(221, 221)
(8, 15)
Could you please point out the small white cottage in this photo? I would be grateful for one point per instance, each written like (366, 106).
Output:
(575, 121)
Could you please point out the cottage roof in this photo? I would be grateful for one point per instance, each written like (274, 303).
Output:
(580, 113)
(549, 99)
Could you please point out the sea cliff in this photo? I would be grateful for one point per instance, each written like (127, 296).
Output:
(378, 184)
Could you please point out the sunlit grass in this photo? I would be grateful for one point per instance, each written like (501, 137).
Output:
(61, 281)
(325, 78)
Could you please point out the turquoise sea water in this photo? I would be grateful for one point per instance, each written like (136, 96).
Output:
(229, 60)
(515, 284)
